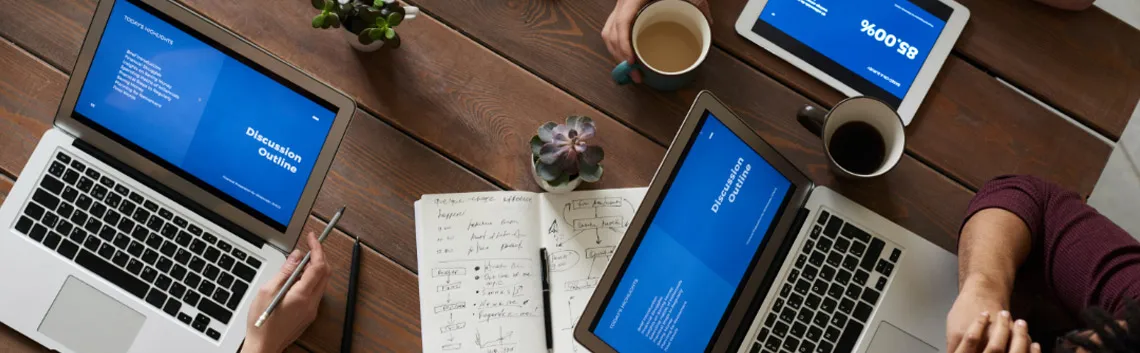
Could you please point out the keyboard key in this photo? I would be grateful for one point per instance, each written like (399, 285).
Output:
(182, 256)
(169, 231)
(821, 318)
(64, 227)
(164, 265)
(201, 322)
(824, 347)
(206, 287)
(827, 273)
(183, 238)
(209, 238)
(83, 202)
(168, 249)
(846, 343)
(172, 306)
(122, 190)
(135, 197)
(180, 222)
(862, 311)
(212, 254)
(150, 256)
(84, 184)
(150, 206)
(850, 263)
(816, 258)
(798, 329)
(785, 290)
(823, 216)
(756, 347)
(93, 174)
(211, 272)
(92, 244)
(62, 157)
(155, 223)
(823, 245)
(839, 320)
(773, 343)
(196, 230)
(127, 207)
(34, 211)
(883, 267)
(186, 319)
(790, 343)
(77, 235)
(853, 291)
(814, 333)
(858, 248)
(806, 347)
(191, 298)
(809, 273)
(192, 280)
(97, 210)
(24, 225)
(113, 274)
(221, 295)
(107, 251)
(871, 296)
(211, 333)
(852, 231)
(38, 232)
(122, 241)
(846, 306)
(244, 272)
(113, 200)
(65, 210)
(50, 220)
(819, 287)
(140, 216)
(841, 244)
(79, 166)
(780, 329)
(835, 259)
(166, 214)
(45, 199)
(832, 333)
(793, 275)
(197, 264)
(253, 262)
(238, 254)
(872, 254)
(836, 291)
(795, 301)
(67, 249)
(803, 286)
(154, 241)
(776, 306)
(178, 272)
(198, 247)
(52, 184)
(107, 182)
(107, 233)
(98, 192)
(120, 258)
(52, 240)
(805, 314)
(149, 274)
(224, 246)
(135, 267)
(177, 290)
(226, 262)
(815, 231)
(79, 218)
(813, 301)
(140, 233)
(828, 305)
(788, 315)
(215, 311)
(162, 282)
(881, 284)
(833, 226)
(895, 254)
(70, 194)
(861, 277)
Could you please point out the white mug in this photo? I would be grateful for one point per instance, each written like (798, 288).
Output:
(852, 132)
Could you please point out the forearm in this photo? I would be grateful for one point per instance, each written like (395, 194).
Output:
(992, 246)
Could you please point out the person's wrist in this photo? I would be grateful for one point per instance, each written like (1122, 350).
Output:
(253, 346)
(986, 288)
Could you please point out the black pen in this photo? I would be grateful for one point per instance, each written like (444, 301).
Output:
(350, 302)
(546, 301)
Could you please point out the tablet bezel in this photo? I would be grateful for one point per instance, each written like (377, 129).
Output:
(740, 311)
(919, 87)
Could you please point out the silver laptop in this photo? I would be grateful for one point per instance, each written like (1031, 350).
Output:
(735, 250)
(181, 167)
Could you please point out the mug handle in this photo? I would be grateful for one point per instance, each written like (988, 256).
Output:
(620, 74)
(812, 119)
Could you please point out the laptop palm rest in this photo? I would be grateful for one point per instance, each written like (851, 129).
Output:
(85, 320)
(891, 339)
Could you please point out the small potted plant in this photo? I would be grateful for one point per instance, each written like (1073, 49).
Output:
(368, 25)
(560, 157)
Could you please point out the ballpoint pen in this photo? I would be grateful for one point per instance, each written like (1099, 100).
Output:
(297, 271)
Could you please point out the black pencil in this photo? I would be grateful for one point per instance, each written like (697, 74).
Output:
(350, 303)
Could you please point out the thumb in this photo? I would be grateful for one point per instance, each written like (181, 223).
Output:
(287, 268)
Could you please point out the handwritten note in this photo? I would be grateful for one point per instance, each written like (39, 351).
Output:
(480, 288)
(582, 229)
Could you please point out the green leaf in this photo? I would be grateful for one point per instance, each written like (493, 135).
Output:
(546, 171)
(318, 20)
(546, 131)
(395, 18)
(589, 172)
(381, 22)
(378, 3)
(535, 146)
(333, 20)
(375, 33)
(593, 154)
(562, 180)
(317, 4)
(364, 38)
(330, 6)
(390, 33)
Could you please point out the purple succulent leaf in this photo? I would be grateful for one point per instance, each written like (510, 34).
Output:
(547, 172)
(587, 131)
(589, 172)
(536, 146)
(580, 147)
(561, 130)
(593, 155)
(551, 153)
(546, 131)
(569, 166)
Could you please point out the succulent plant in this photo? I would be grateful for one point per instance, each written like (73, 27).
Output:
(371, 21)
(560, 152)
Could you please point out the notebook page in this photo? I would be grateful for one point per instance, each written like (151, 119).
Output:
(480, 284)
(580, 231)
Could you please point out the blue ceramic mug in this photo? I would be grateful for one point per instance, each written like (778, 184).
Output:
(678, 12)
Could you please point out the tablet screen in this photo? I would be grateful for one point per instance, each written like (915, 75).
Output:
(876, 47)
(700, 242)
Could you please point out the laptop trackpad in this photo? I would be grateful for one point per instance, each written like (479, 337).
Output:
(84, 319)
(891, 339)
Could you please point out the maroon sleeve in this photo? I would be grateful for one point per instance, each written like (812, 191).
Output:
(1088, 260)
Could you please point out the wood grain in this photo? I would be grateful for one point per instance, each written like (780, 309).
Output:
(47, 28)
(970, 126)
(1087, 62)
(30, 91)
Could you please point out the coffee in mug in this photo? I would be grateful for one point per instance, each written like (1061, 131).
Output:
(863, 136)
(858, 147)
(668, 47)
(670, 40)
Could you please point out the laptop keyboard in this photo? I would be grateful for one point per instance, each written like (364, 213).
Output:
(830, 292)
(140, 246)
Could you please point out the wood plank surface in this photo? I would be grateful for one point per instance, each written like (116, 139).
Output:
(1087, 63)
(970, 125)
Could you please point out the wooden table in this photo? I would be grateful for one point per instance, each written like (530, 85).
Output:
(453, 109)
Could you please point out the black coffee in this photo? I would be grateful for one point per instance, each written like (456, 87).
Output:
(858, 147)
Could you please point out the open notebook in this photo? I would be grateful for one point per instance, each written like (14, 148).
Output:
(481, 272)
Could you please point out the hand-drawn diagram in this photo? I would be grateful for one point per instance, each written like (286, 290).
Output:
(501, 342)
(597, 216)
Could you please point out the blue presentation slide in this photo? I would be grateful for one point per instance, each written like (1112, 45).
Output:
(698, 246)
(203, 111)
(884, 41)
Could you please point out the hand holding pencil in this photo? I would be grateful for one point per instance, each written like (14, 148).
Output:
(296, 310)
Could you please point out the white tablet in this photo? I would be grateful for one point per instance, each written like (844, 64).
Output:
(887, 49)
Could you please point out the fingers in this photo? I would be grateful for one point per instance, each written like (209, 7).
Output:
(952, 341)
(972, 339)
(287, 268)
(999, 333)
(316, 273)
(1020, 342)
(1035, 348)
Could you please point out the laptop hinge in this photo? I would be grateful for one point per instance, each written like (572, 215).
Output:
(254, 240)
(781, 254)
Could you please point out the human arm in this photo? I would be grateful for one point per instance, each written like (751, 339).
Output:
(297, 309)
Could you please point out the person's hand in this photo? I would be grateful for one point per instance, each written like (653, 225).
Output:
(618, 29)
(296, 310)
(1004, 336)
(974, 297)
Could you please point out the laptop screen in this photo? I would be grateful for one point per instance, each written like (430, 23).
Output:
(698, 245)
(196, 108)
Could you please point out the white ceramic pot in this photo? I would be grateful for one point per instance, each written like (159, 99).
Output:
(410, 12)
(560, 189)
